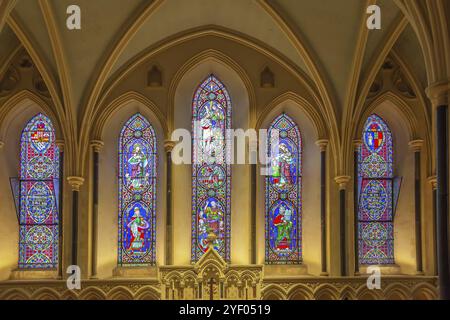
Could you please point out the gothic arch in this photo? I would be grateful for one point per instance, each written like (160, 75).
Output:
(217, 57)
(300, 292)
(311, 129)
(273, 292)
(108, 129)
(12, 107)
(108, 111)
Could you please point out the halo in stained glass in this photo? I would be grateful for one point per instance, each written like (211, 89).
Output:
(137, 193)
(283, 193)
(211, 171)
(375, 216)
(38, 218)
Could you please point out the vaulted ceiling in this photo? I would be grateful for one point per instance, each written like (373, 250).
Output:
(327, 39)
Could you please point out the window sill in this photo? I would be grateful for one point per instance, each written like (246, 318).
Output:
(29, 274)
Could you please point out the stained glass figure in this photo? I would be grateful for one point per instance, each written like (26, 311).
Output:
(375, 215)
(39, 174)
(283, 193)
(137, 193)
(211, 171)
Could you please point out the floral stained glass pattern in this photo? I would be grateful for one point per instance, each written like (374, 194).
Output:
(137, 193)
(283, 193)
(39, 174)
(375, 227)
(211, 171)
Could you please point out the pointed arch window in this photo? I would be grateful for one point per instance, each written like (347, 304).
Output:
(376, 194)
(283, 193)
(137, 193)
(211, 171)
(38, 204)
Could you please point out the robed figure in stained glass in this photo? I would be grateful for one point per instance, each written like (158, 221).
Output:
(211, 183)
(137, 192)
(283, 193)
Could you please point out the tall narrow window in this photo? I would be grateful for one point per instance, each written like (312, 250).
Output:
(283, 193)
(211, 172)
(375, 225)
(137, 193)
(38, 214)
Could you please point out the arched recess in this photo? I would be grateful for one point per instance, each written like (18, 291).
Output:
(108, 128)
(403, 126)
(240, 194)
(311, 128)
(16, 112)
(137, 61)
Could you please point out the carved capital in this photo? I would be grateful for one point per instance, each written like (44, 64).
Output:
(169, 145)
(97, 145)
(433, 181)
(357, 144)
(322, 144)
(438, 93)
(415, 145)
(342, 181)
(60, 144)
(75, 182)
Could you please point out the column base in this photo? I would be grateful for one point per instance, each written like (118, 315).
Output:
(324, 274)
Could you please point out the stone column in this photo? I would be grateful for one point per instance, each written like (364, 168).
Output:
(97, 146)
(253, 151)
(416, 146)
(356, 149)
(342, 181)
(60, 145)
(433, 181)
(168, 147)
(75, 183)
(438, 95)
(322, 144)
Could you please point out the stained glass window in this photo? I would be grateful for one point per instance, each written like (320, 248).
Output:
(38, 214)
(211, 171)
(283, 193)
(137, 193)
(376, 196)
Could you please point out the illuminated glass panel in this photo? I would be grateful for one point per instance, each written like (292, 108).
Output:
(211, 172)
(137, 193)
(39, 174)
(375, 227)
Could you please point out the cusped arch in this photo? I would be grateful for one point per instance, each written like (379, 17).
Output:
(347, 293)
(300, 292)
(92, 293)
(397, 291)
(326, 292)
(424, 291)
(120, 293)
(273, 292)
(15, 294)
(46, 294)
(147, 293)
(363, 293)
